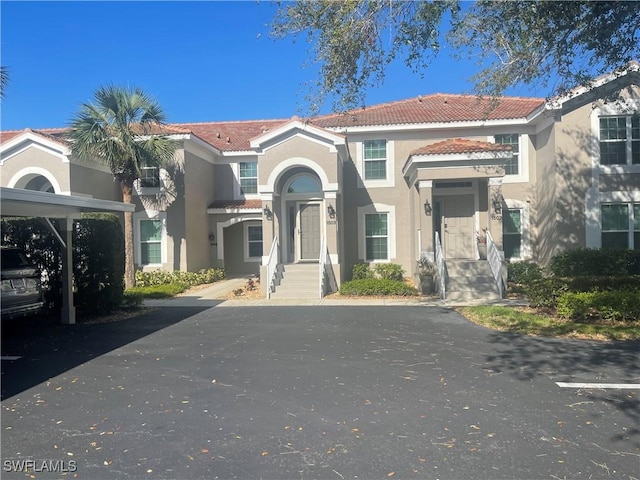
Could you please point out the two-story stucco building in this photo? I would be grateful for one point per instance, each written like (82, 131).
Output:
(386, 183)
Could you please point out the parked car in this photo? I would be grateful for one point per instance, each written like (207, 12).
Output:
(21, 286)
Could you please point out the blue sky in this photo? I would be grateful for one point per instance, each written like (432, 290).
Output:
(202, 61)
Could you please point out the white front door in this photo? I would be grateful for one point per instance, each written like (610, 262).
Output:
(309, 231)
(457, 226)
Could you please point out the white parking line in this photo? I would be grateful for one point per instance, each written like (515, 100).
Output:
(9, 357)
(621, 386)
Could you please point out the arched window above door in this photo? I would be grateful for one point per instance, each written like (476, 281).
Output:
(304, 184)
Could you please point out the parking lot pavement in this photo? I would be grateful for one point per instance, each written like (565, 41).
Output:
(315, 392)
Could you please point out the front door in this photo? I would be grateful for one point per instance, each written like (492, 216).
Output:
(309, 231)
(457, 226)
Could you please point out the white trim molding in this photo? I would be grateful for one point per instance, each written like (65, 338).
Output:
(137, 251)
(32, 172)
(220, 226)
(525, 224)
(390, 164)
(390, 210)
(285, 165)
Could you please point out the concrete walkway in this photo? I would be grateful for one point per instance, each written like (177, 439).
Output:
(213, 296)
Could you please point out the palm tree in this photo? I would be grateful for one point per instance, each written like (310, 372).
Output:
(121, 128)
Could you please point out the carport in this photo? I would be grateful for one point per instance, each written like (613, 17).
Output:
(66, 208)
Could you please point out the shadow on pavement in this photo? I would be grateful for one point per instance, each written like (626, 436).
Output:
(526, 358)
(47, 348)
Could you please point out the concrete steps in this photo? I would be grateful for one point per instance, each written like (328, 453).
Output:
(298, 281)
(470, 280)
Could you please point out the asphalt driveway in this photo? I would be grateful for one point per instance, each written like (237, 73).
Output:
(313, 392)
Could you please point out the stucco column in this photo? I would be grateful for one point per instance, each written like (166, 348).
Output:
(332, 215)
(425, 216)
(68, 313)
(268, 234)
(495, 214)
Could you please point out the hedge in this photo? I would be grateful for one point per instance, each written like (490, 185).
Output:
(523, 272)
(545, 292)
(609, 305)
(161, 277)
(98, 259)
(591, 262)
(377, 286)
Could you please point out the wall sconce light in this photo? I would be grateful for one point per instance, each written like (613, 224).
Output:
(267, 212)
(497, 204)
(427, 208)
(331, 211)
(212, 237)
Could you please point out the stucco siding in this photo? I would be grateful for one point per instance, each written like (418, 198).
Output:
(199, 179)
(35, 161)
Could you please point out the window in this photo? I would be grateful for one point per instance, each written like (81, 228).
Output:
(248, 177)
(150, 177)
(511, 167)
(150, 242)
(375, 159)
(512, 233)
(617, 220)
(376, 236)
(304, 184)
(620, 140)
(254, 241)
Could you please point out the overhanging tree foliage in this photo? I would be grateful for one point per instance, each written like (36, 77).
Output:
(121, 129)
(513, 42)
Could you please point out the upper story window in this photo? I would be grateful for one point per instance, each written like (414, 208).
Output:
(248, 177)
(620, 140)
(375, 159)
(512, 165)
(150, 177)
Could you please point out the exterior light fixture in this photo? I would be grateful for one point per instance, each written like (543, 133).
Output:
(212, 237)
(331, 211)
(267, 212)
(427, 208)
(497, 204)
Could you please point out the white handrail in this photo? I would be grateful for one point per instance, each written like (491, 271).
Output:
(322, 261)
(272, 266)
(440, 265)
(495, 262)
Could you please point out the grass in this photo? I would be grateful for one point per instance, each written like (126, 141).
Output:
(531, 322)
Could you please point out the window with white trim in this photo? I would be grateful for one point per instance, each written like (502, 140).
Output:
(620, 225)
(248, 178)
(150, 177)
(150, 242)
(376, 236)
(513, 140)
(620, 140)
(375, 159)
(254, 241)
(512, 233)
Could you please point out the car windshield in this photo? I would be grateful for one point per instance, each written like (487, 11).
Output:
(14, 259)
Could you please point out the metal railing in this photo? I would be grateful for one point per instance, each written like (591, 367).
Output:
(441, 268)
(495, 263)
(272, 267)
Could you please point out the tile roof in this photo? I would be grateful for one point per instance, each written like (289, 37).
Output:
(54, 134)
(436, 108)
(459, 145)
(231, 136)
(236, 204)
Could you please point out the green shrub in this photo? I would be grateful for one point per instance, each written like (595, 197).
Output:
(158, 291)
(361, 271)
(161, 277)
(608, 305)
(132, 299)
(377, 286)
(591, 262)
(390, 271)
(545, 291)
(524, 272)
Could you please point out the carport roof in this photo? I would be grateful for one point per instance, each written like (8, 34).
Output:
(16, 202)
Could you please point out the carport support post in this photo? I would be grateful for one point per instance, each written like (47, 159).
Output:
(68, 313)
